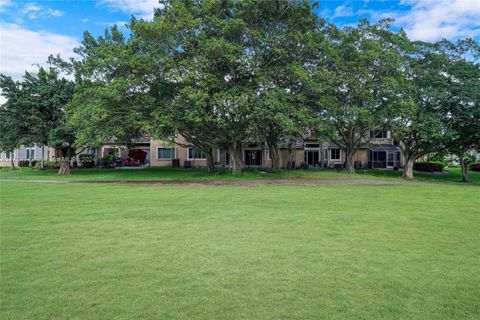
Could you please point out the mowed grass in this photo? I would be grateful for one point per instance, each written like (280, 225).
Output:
(84, 251)
(452, 175)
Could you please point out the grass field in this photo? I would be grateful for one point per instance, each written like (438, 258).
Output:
(452, 175)
(89, 251)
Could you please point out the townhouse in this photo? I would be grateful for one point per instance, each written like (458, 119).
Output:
(26, 153)
(379, 151)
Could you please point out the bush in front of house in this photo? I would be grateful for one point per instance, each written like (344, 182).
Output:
(87, 160)
(475, 166)
(429, 166)
(108, 161)
(47, 164)
(26, 163)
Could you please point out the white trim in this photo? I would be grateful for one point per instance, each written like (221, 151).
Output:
(386, 159)
(28, 152)
(339, 154)
(167, 159)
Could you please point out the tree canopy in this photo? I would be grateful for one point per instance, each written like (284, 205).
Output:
(223, 73)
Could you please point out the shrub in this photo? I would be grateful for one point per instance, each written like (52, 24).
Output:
(358, 164)
(26, 163)
(469, 159)
(108, 161)
(52, 164)
(47, 164)
(432, 166)
(87, 160)
(303, 165)
(475, 166)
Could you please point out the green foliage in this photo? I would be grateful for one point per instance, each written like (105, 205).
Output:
(460, 106)
(475, 166)
(429, 166)
(108, 161)
(355, 83)
(27, 163)
(48, 165)
(439, 156)
(14, 117)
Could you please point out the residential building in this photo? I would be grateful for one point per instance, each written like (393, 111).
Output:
(378, 151)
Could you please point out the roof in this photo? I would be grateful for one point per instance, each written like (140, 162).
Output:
(296, 144)
(383, 147)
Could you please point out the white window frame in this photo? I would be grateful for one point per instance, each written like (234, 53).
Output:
(28, 152)
(188, 154)
(119, 151)
(339, 154)
(166, 159)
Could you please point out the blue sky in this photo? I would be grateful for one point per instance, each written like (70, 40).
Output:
(31, 30)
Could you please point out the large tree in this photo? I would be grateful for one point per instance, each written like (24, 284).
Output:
(203, 65)
(35, 108)
(111, 101)
(414, 119)
(234, 70)
(283, 40)
(460, 107)
(13, 117)
(356, 81)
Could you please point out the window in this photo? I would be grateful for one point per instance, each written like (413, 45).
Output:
(115, 151)
(195, 154)
(334, 154)
(8, 155)
(30, 153)
(378, 134)
(165, 153)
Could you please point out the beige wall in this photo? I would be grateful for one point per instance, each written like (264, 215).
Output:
(298, 157)
(362, 155)
(180, 153)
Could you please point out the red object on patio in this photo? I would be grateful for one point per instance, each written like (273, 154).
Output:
(138, 155)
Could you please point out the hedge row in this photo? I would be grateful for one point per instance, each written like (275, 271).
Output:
(432, 166)
(475, 166)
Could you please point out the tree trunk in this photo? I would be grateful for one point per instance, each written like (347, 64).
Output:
(464, 169)
(64, 168)
(42, 161)
(210, 160)
(12, 164)
(350, 160)
(274, 158)
(236, 158)
(408, 169)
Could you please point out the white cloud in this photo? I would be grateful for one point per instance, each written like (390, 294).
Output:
(22, 49)
(142, 8)
(35, 11)
(4, 4)
(432, 20)
(84, 20)
(343, 11)
(55, 13)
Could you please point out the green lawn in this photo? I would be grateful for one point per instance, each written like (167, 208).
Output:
(90, 251)
(453, 175)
